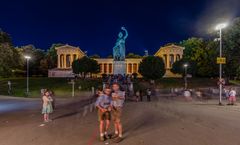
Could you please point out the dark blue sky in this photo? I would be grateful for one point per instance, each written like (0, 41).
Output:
(93, 25)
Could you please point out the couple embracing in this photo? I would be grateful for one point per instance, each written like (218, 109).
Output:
(109, 104)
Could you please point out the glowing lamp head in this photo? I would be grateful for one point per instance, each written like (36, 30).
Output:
(185, 65)
(221, 26)
(27, 57)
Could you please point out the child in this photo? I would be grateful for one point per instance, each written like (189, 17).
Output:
(103, 104)
(47, 106)
(232, 96)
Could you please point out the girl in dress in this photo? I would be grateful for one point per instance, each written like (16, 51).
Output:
(47, 106)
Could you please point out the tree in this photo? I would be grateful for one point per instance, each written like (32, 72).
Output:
(178, 67)
(203, 53)
(84, 66)
(231, 46)
(36, 56)
(110, 56)
(132, 55)
(51, 56)
(94, 56)
(152, 68)
(191, 45)
(9, 60)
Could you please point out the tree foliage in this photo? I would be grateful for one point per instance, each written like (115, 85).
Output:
(203, 53)
(178, 67)
(9, 59)
(94, 56)
(51, 56)
(152, 68)
(37, 55)
(132, 55)
(84, 66)
(231, 48)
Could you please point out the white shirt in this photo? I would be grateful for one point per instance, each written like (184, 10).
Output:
(232, 93)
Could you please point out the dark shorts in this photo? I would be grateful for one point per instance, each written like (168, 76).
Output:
(104, 115)
(116, 114)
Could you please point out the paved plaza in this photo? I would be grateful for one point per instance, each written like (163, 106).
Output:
(160, 122)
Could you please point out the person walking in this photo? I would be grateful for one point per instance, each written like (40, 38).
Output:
(232, 96)
(149, 93)
(103, 104)
(118, 98)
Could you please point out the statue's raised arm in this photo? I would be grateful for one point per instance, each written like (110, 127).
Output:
(126, 33)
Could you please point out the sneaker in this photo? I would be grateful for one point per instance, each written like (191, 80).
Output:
(114, 136)
(118, 139)
(102, 138)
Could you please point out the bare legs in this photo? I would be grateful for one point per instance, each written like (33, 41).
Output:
(46, 117)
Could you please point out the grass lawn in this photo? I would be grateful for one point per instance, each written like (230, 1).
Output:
(60, 86)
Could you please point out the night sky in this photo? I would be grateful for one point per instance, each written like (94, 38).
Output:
(93, 25)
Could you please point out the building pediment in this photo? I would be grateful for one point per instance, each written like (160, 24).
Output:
(170, 49)
(66, 49)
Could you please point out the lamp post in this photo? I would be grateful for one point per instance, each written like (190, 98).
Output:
(185, 78)
(219, 28)
(27, 58)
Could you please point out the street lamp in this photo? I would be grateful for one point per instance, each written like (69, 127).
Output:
(219, 28)
(185, 78)
(27, 58)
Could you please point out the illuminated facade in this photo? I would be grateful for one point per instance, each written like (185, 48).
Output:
(67, 54)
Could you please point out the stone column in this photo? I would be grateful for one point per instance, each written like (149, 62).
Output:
(167, 61)
(132, 67)
(64, 61)
(174, 58)
(137, 68)
(107, 69)
(59, 61)
(71, 60)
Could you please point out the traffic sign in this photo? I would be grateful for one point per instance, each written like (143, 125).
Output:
(221, 60)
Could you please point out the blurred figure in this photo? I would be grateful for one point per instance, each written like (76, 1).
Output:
(149, 93)
(232, 96)
(137, 96)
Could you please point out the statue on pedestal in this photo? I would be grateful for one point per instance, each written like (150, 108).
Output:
(119, 48)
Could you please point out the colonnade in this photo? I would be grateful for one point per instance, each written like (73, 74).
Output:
(65, 60)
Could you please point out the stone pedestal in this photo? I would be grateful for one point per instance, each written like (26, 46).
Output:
(119, 67)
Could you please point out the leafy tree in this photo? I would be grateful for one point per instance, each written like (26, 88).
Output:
(132, 55)
(9, 60)
(84, 66)
(238, 73)
(178, 67)
(36, 56)
(110, 56)
(205, 58)
(191, 45)
(51, 56)
(231, 46)
(203, 53)
(152, 68)
(94, 56)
